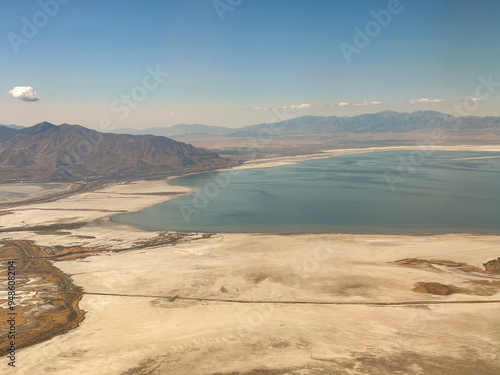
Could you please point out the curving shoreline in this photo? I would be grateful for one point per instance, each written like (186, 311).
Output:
(206, 273)
(136, 195)
(287, 160)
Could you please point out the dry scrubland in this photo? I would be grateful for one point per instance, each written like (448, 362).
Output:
(167, 303)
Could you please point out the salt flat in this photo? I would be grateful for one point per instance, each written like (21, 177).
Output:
(130, 329)
(94, 205)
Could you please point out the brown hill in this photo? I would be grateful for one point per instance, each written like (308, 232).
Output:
(46, 152)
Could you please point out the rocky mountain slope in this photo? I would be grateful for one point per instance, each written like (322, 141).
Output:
(46, 152)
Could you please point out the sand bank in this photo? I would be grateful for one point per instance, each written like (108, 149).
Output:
(288, 160)
(94, 205)
(27, 191)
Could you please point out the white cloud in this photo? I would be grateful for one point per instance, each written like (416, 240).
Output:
(425, 101)
(25, 93)
(301, 106)
(475, 99)
(361, 104)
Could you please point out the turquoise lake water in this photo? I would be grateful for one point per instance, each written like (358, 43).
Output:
(383, 192)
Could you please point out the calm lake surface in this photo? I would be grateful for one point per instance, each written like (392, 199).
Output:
(451, 192)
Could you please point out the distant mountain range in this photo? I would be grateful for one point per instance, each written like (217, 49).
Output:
(382, 122)
(16, 127)
(177, 130)
(46, 152)
(71, 152)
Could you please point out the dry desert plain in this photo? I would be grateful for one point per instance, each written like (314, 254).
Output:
(96, 297)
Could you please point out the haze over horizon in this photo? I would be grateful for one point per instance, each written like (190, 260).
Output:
(233, 128)
(191, 62)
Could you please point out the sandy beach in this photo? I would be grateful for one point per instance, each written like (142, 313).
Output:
(258, 303)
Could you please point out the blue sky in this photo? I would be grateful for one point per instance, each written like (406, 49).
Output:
(233, 70)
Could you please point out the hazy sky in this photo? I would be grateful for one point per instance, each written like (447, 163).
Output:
(229, 62)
